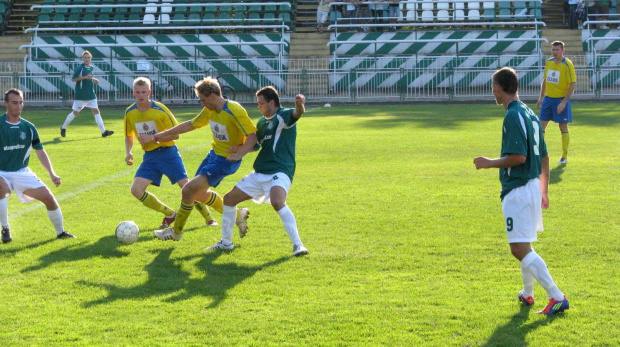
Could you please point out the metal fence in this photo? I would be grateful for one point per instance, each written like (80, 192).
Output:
(364, 85)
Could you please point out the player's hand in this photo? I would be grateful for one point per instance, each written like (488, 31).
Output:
(482, 163)
(89, 76)
(56, 179)
(233, 149)
(300, 99)
(129, 159)
(561, 107)
(545, 202)
(539, 104)
(96, 81)
(234, 157)
(144, 139)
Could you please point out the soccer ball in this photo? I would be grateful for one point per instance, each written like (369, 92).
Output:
(127, 232)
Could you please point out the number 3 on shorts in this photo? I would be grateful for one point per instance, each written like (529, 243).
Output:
(509, 224)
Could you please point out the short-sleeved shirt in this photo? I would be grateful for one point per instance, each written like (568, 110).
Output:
(229, 127)
(558, 77)
(276, 136)
(84, 89)
(323, 6)
(156, 119)
(522, 134)
(16, 143)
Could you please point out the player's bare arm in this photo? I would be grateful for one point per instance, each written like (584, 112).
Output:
(569, 94)
(240, 151)
(300, 106)
(504, 162)
(47, 165)
(169, 134)
(128, 147)
(543, 88)
(544, 182)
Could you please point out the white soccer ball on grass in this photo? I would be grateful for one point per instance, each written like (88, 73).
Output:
(127, 232)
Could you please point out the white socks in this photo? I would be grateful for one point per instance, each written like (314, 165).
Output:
(533, 264)
(70, 118)
(290, 225)
(4, 212)
(229, 216)
(56, 218)
(99, 122)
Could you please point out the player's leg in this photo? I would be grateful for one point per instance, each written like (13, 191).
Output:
(188, 192)
(54, 213)
(277, 197)
(138, 190)
(5, 190)
(94, 107)
(200, 206)
(565, 142)
(78, 105)
(234, 197)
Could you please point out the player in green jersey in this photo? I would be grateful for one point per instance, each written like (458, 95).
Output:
(524, 175)
(274, 168)
(85, 95)
(17, 139)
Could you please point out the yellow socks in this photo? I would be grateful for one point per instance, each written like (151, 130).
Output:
(204, 210)
(182, 215)
(215, 201)
(149, 200)
(565, 142)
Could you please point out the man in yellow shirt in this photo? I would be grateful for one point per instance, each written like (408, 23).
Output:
(232, 129)
(143, 119)
(558, 85)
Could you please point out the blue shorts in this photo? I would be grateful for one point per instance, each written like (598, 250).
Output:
(216, 167)
(549, 111)
(162, 161)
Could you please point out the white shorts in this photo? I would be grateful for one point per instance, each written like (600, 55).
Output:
(523, 212)
(78, 105)
(258, 186)
(321, 16)
(22, 180)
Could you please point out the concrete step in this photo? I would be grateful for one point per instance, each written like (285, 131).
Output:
(9, 47)
(571, 39)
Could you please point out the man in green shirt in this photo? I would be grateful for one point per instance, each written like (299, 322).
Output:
(85, 95)
(274, 168)
(17, 139)
(524, 175)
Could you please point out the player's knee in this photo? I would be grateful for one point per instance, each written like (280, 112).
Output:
(50, 202)
(137, 192)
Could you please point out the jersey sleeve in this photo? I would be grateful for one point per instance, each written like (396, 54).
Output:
(244, 123)
(128, 127)
(36, 142)
(171, 121)
(78, 71)
(514, 141)
(201, 119)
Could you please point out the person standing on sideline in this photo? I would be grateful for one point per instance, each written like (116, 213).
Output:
(143, 119)
(558, 86)
(85, 95)
(322, 13)
(524, 175)
(274, 168)
(572, 14)
(17, 138)
(234, 135)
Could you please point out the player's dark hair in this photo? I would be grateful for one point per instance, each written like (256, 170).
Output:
(208, 86)
(12, 91)
(558, 43)
(269, 93)
(507, 79)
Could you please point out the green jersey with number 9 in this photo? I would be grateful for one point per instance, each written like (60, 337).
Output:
(522, 134)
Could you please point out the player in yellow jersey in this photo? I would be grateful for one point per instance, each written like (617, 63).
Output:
(558, 85)
(232, 129)
(143, 119)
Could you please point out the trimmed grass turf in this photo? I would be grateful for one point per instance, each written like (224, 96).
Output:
(405, 239)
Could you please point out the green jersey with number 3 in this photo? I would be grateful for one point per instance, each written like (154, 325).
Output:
(276, 136)
(522, 134)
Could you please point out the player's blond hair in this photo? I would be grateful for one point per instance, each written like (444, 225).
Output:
(142, 81)
(87, 52)
(208, 86)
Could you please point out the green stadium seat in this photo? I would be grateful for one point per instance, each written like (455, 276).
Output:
(2, 8)
(253, 18)
(210, 9)
(504, 5)
(286, 17)
(136, 10)
(119, 18)
(225, 9)
(179, 18)
(196, 9)
(48, 11)
(180, 9)
(488, 14)
(255, 8)
(88, 19)
(224, 18)
(334, 15)
(208, 18)
(134, 19)
(193, 18)
(104, 18)
(536, 13)
(504, 14)
(74, 18)
(59, 17)
(238, 17)
(44, 18)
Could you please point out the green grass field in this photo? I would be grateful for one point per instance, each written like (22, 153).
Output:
(406, 241)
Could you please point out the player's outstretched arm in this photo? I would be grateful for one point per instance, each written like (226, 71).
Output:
(240, 151)
(173, 133)
(47, 165)
(300, 106)
(509, 160)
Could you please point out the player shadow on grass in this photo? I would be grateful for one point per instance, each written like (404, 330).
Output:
(165, 276)
(555, 174)
(106, 247)
(58, 140)
(514, 332)
(13, 251)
